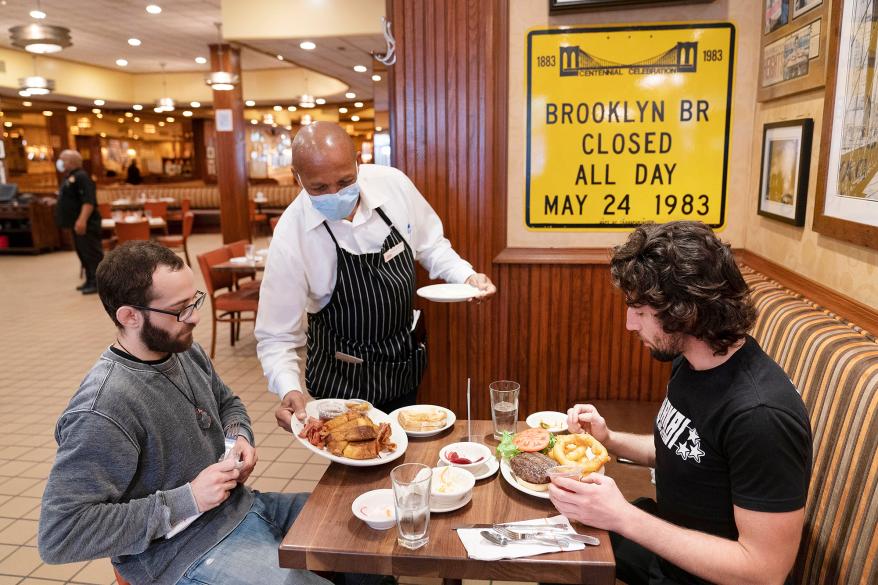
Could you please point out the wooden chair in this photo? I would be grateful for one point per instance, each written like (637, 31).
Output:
(158, 208)
(260, 219)
(225, 307)
(120, 580)
(132, 230)
(273, 222)
(180, 242)
(178, 214)
(106, 210)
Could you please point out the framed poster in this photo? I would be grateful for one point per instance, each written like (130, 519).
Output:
(627, 124)
(793, 47)
(846, 206)
(556, 6)
(786, 161)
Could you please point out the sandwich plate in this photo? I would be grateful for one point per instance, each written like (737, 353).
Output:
(448, 293)
(397, 435)
(506, 472)
(450, 418)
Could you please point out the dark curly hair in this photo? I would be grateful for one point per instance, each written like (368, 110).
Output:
(684, 272)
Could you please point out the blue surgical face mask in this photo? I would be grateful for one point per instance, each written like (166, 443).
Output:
(59, 164)
(336, 206)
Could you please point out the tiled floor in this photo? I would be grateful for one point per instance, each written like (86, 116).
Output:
(50, 335)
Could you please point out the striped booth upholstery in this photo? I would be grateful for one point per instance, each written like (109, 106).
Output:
(834, 364)
(277, 196)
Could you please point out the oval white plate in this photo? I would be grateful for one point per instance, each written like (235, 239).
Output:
(490, 468)
(448, 293)
(558, 420)
(397, 435)
(506, 472)
(437, 509)
(450, 418)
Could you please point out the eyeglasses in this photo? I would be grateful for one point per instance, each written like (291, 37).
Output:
(183, 313)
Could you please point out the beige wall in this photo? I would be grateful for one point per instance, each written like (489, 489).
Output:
(295, 19)
(744, 14)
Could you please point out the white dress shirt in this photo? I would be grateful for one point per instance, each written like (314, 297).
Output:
(300, 271)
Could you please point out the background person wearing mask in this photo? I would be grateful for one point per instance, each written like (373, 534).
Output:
(78, 209)
(343, 255)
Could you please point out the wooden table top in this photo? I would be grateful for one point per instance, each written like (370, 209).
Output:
(326, 536)
(241, 267)
(154, 223)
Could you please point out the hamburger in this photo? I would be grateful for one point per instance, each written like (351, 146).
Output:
(530, 469)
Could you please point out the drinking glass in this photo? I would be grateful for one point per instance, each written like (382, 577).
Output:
(147, 213)
(504, 406)
(250, 252)
(411, 498)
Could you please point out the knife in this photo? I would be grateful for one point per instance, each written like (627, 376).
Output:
(519, 527)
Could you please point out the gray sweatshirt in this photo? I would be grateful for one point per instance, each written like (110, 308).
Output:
(128, 444)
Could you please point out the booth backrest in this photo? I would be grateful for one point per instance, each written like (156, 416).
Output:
(834, 364)
(201, 197)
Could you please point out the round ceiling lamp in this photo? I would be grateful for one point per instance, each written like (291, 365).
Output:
(40, 38)
(164, 104)
(221, 80)
(35, 85)
(307, 101)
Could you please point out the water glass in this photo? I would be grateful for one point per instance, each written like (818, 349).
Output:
(411, 498)
(147, 213)
(504, 406)
(250, 253)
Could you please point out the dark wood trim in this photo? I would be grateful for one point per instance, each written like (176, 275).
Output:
(553, 256)
(842, 229)
(501, 130)
(844, 306)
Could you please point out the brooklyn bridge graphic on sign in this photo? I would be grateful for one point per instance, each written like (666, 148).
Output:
(681, 58)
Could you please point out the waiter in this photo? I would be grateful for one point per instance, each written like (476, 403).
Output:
(340, 278)
(78, 209)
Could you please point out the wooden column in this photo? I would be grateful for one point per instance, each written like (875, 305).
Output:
(231, 152)
(198, 148)
(59, 134)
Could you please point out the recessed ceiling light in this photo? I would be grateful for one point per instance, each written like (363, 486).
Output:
(154, 9)
(170, 118)
(350, 95)
(158, 110)
(376, 77)
(187, 113)
(47, 113)
(137, 118)
(360, 68)
(249, 103)
(134, 42)
(7, 124)
(38, 14)
(291, 108)
(320, 101)
(162, 124)
(254, 121)
(103, 134)
(128, 114)
(99, 116)
(122, 62)
(378, 128)
(195, 104)
(137, 107)
(342, 110)
(99, 102)
(201, 60)
(71, 108)
(26, 104)
(355, 118)
(307, 45)
(277, 108)
(358, 104)
(95, 110)
(280, 57)
(120, 120)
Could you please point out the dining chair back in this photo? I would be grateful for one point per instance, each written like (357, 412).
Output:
(180, 242)
(132, 230)
(157, 208)
(273, 221)
(106, 210)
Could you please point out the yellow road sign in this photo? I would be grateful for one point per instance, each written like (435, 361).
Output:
(627, 125)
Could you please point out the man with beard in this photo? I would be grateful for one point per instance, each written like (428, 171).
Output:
(731, 444)
(137, 476)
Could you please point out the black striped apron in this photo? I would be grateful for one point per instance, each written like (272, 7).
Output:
(360, 344)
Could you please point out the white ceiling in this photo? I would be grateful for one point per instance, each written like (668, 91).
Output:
(100, 30)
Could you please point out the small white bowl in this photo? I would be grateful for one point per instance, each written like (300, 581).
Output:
(554, 422)
(375, 508)
(450, 484)
(477, 453)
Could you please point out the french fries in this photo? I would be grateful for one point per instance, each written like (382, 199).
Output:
(582, 450)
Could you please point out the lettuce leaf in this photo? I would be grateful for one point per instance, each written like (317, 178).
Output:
(507, 449)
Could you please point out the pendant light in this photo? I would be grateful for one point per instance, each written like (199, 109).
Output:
(40, 38)
(221, 80)
(35, 84)
(165, 104)
(307, 100)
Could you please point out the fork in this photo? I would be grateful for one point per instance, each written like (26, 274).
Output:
(512, 535)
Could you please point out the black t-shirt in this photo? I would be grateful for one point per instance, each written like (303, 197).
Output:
(77, 189)
(734, 435)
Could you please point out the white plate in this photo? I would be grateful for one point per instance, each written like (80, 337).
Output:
(376, 499)
(506, 472)
(448, 293)
(449, 420)
(558, 420)
(437, 509)
(397, 436)
(490, 468)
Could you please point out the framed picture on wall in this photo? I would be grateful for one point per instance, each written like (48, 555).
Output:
(561, 6)
(800, 7)
(786, 161)
(793, 47)
(846, 203)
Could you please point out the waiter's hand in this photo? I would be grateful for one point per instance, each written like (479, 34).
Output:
(79, 227)
(293, 403)
(484, 284)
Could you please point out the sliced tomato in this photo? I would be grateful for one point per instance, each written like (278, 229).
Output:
(531, 440)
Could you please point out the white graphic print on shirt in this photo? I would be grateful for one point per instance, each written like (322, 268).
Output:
(671, 423)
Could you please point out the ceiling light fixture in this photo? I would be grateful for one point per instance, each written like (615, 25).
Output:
(201, 60)
(26, 104)
(134, 42)
(350, 95)
(35, 84)
(355, 118)
(254, 121)
(165, 103)
(376, 77)
(95, 110)
(320, 101)
(187, 113)
(342, 110)
(306, 101)
(378, 128)
(99, 102)
(71, 108)
(154, 9)
(221, 80)
(307, 45)
(137, 107)
(249, 103)
(128, 114)
(358, 104)
(120, 120)
(99, 116)
(195, 104)
(291, 108)
(169, 119)
(162, 124)
(280, 57)
(306, 120)
(40, 38)
(122, 62)
(38, 12)
(360, 68)
(47, 113)
(137, 118)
